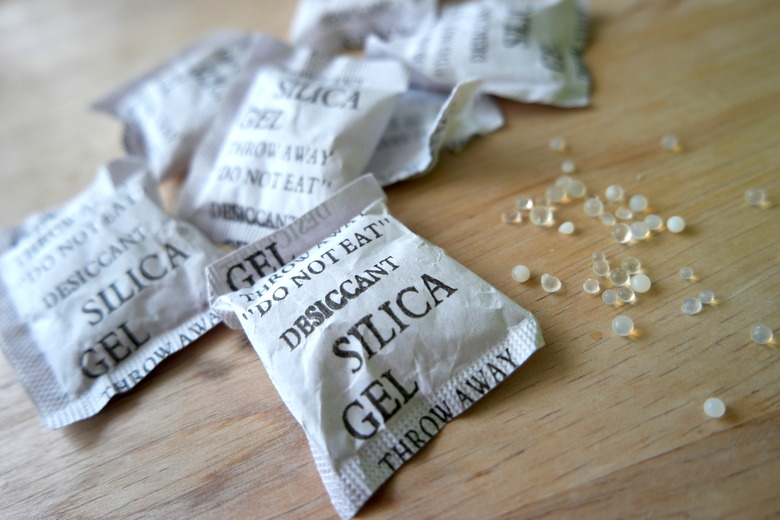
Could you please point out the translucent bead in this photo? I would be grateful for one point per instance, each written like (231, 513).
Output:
(563, 180)
(670, 143)
(598, 256)
(691, 306)
(686, 273)
(625, 294)
(550, 283)
(639, 230)
(707, 297)
(761, 334)
(521, 273)
(621, 233)
(609, 297)
(640, 283)
(557, 144)
(601, 268)
(608, 219)
(618, 276)
(541, 216)
(631, 264)
(555, 194)
(593, 207)
(511, 217)
(576, 189)
(568, 167)
(675, 224)
(524, 203)
(591, 286)
(714, 408)
(637, 203)
(755, 196)
(622, 326)
(654, 222)
(567, 228)
(623, 213)
(614, 193)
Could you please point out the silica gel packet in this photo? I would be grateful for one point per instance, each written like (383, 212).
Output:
(373, 337)
(523, 51)
(100, 293)
(291, 135)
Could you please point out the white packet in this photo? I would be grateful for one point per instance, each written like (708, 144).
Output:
(523, 51)
(290, 136)
(166, 111)
(94, 300)
(427, 121)
(373, 337)
(336, 25)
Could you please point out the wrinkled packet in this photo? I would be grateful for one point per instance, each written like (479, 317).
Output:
(337, 25)
(100, 292)
(425, 122)
(167, 110)
(292, 133)
(374, 338)
(523, 51)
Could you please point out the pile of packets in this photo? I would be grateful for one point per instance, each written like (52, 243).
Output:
(373, 337)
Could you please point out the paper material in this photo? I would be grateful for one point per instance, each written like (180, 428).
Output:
(523, 51)
(374, 338)
(92, 301)
(292, 134)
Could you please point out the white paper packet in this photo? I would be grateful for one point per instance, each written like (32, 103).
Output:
(290, 136)
(336, 25)
(166, 111)
(427, 121)
(523, 51)
(374, 337)
(94, 300)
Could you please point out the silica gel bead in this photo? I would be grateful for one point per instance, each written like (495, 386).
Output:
(675, 224)
(621, 233)
(568, 167)
(686, 273)
(555, 194)
(637, 203)
(625, 294)
(755, 196)
(714, 408)
(593, 207)
(670, 143)
(525, 203)
(511, 217)
(614, 193)
(567, 228)
(576, 189)
(609, 297)
(639, 230)
(623, 213)
(608, 219)
(654, 222)
(762, 334)
(706, 296)
(591, 286)
(598, 256)
(622, 325)
(691, 306)
(563, 180)
(540, 215)
(550, 283)
(618, 276)
(521, 273)
(601, 268)
(631, 264)
(557, 144)
(640, 283)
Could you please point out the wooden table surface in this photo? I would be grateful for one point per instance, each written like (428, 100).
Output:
(592, 426)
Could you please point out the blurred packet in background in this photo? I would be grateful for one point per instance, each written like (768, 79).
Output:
(99, 293)
(289, 136)
(427, 121)
(167, 110)
(337, 25)
(373, 337)
(523, 51)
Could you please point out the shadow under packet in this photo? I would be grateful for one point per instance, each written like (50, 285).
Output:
(99, 292)
(373, 337)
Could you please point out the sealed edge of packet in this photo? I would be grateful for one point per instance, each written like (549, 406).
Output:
(373, 337)
(97, 297)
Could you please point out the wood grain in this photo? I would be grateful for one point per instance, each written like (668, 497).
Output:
(593, 426)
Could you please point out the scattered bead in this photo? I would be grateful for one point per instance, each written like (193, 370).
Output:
(567, 228)
(555, 194)
(686, 273)
(621, 233)
(511, 217)
(521, 273)
(625, 294)
(714, 408)
(631, 264)
(601, 268)
(691, 306)
(670, 143)
(623, 213)
(761, 334)
(550, 283)
(591, 286)
(598, 256)
(541, 216)
(618, 276)
(640, 283)
(524, 203)
(576, 189)
(639, 230)
(654, 222)
(593, 207)
(675, 224)
(707, 297)
(755, 196)
(563, 180)
(557, 144)
(608, 219)
(609, 297)
(568, 167)
(614, 193)
(622, 326)
(637, 203)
